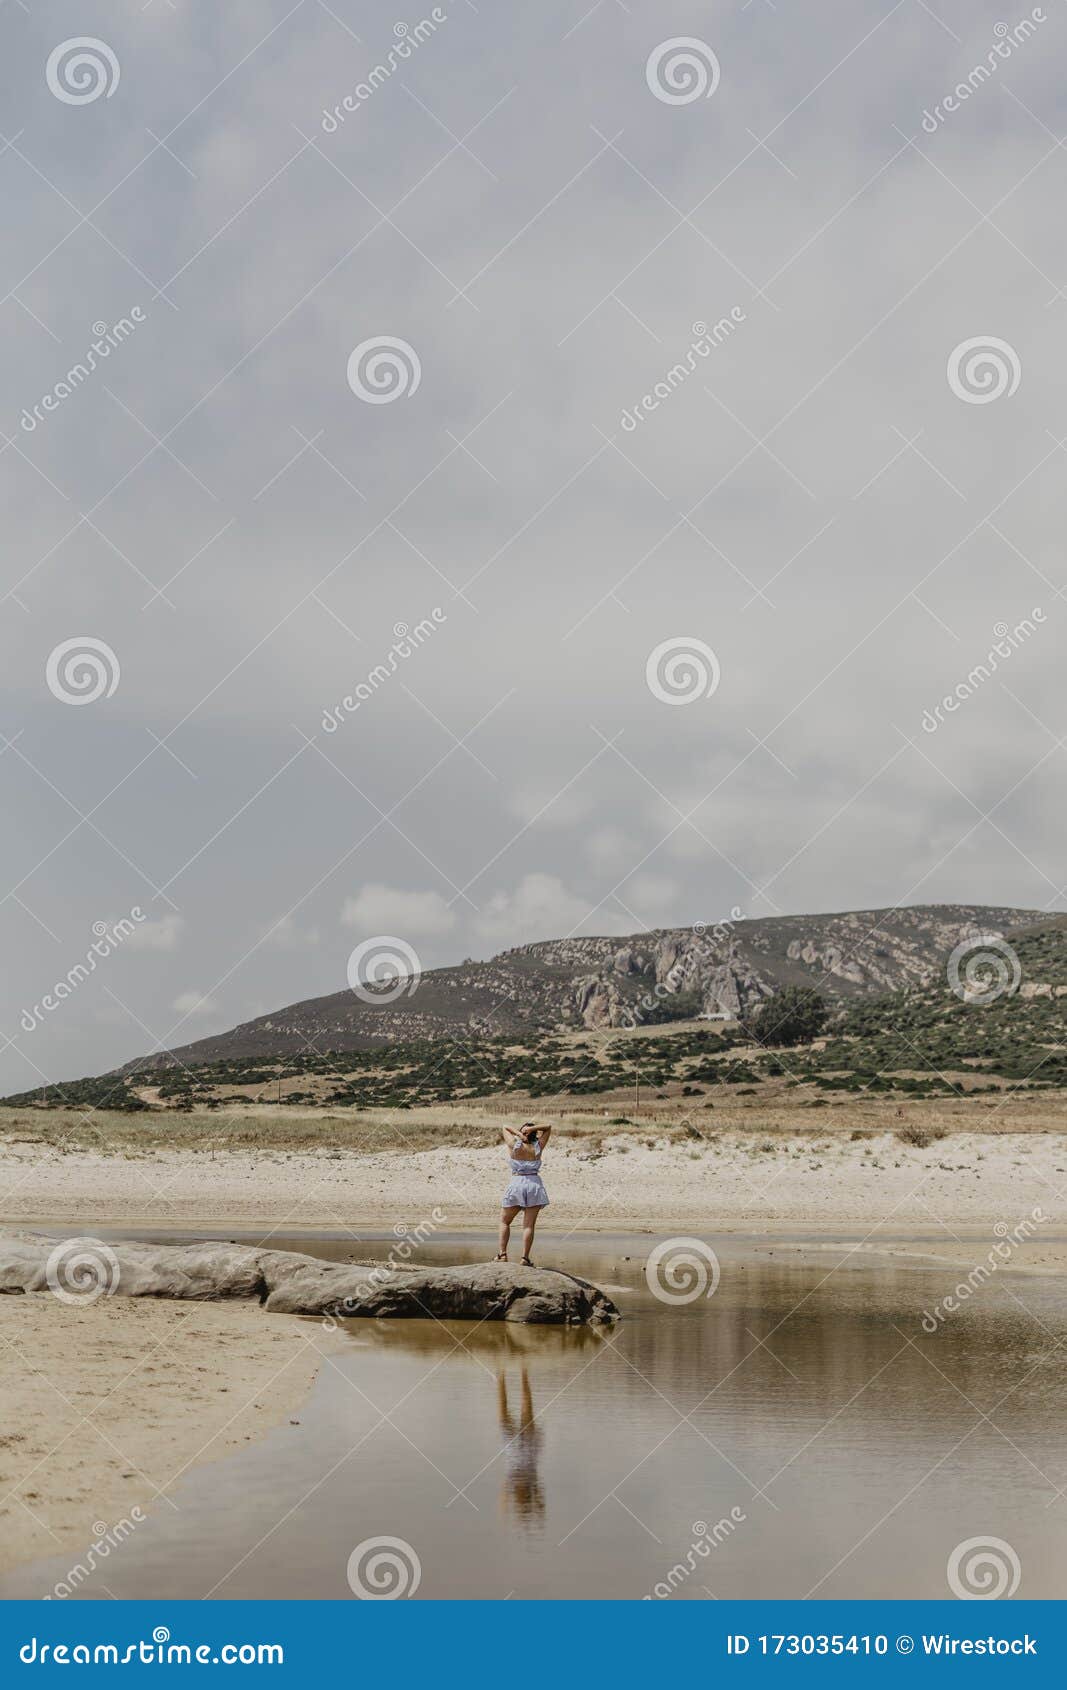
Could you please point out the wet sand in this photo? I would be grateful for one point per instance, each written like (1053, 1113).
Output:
(105, 1406)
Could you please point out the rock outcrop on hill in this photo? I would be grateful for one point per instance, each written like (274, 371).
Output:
(287, 1283)
(722, 971)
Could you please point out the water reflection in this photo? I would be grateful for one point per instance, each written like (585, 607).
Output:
(521, 1491)
(521, 1461)
(499, 1340)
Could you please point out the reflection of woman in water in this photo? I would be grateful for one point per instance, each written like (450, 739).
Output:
(521, 1492)
(525, 1189)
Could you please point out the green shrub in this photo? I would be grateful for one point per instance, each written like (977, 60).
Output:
(793, 1016)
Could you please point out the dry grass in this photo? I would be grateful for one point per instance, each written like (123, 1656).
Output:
(770, 1111)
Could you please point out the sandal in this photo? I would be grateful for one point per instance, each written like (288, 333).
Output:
(501, 1258)
(526, 1262)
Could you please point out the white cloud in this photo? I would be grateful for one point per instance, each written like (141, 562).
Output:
(541, 907)
(192, 1003)
(161, 935)
(377, 908)
(288, 935)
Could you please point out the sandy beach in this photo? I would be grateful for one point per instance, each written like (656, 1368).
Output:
(874, 1185)
(106, 1406)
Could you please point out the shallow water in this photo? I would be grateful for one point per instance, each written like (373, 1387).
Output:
(796, 1434)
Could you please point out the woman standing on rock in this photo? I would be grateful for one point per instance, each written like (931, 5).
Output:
(525, 1189)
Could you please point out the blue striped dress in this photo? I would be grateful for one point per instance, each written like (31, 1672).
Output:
(526, 1188)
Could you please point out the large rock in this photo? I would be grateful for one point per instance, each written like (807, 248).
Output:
(714, 968)
(600, 1003)
(285, 1282)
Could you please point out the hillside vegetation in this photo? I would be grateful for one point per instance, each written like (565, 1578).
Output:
(990, 1035)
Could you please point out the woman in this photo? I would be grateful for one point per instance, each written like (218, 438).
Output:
(525, 1189)
(521, 1491)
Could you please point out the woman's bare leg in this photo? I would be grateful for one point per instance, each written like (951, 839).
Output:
(506, 1218)
(506, 1424)
(527, 1402)
(529, 1222)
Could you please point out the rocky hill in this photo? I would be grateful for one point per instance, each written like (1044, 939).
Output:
(717, 972)
(927, 1005)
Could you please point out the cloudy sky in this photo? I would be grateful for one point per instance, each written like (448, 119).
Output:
(825, 518)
